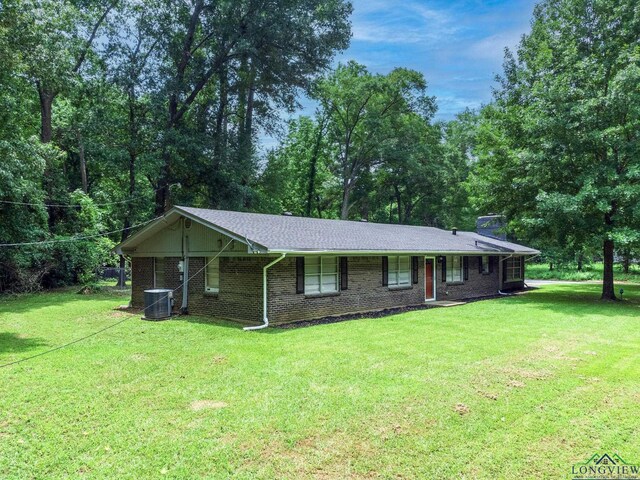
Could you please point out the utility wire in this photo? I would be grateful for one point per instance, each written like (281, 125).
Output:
(76, 239)
(64, 345)
(59, 347)
(68, 205)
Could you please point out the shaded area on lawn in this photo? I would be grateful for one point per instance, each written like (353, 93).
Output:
(18, 342)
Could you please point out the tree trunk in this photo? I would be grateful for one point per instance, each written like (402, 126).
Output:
(162, 193)
(122, 279)
(608, 290)
(626, 262)
(399, 205)
(46, 102)
(83, 164)
(580, 261)
(346, 194)
(313, 169)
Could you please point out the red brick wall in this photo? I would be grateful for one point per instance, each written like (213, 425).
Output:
(240, 296)
(478, 284)
(365, 292)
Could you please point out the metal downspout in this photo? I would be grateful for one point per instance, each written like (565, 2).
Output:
(184, 308)
(264, 295)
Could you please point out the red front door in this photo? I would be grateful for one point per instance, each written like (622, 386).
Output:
(428, 279)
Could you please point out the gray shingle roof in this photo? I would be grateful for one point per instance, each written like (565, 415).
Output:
(279, 233)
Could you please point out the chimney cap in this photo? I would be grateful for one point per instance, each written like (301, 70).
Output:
(454, 230)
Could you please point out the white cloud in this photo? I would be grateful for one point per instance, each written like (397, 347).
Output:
(491, 48)
(400, 23)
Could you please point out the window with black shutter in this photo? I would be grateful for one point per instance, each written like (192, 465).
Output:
(414, 269)
(299, 274)
(344, 273)
(465, 267)
(385, 271)
(444, 269)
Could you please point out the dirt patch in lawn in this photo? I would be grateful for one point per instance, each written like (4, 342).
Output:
(516, 384)
(462, 409)
(198, 405)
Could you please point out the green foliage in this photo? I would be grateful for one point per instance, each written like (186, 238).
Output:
(558, 149)
(570, 272)
(138, 104)
(370, 152)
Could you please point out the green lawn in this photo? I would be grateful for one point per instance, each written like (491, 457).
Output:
(518, 387)
(540, 271)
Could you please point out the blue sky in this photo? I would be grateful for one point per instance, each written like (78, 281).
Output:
(457, 45)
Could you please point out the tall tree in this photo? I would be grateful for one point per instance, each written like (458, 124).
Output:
(260, 51)
(565, 125)
(358, 108)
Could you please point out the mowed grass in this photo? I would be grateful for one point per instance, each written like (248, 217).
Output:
(518, 387)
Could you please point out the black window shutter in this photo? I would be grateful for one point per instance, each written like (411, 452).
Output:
(414, 269)
(444, 269)
(491, 262)
(465, 267)
(299, 274)
(344, 273)
(504, 269)
(385, 271)
(480, 266)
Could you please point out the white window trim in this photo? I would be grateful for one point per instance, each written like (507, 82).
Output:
(155, 271)
(517, 261)
(321, 274)
(398, 270)
(207, 288)
(450, 278)
(485, 264)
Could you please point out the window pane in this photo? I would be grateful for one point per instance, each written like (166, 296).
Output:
(311, 283)
(330, 265)
(393, 278)
(312, 265)
(457, 275)
(404, 263)
(454, 268)
(212, 280)
(330, 283)
(159, 272)
(403, 278)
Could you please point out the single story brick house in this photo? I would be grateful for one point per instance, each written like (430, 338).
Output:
(261, 269)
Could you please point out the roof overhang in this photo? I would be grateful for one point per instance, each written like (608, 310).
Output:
(171, 217)
(176, 213)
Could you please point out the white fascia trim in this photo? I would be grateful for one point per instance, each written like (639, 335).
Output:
(356, 253)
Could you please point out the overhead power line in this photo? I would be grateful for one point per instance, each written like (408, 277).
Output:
(76, 239)
(69, 205)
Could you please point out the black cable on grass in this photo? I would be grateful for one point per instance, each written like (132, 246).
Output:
(64, 345)
(59, 347)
